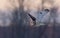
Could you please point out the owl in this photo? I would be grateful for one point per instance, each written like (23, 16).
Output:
(42, 17)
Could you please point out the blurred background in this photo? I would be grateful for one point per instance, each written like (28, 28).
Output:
(16, 23)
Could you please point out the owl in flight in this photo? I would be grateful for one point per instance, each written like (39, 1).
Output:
(41, 16)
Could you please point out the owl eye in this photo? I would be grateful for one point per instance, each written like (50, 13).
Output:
(40, 12)
(46, 10)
